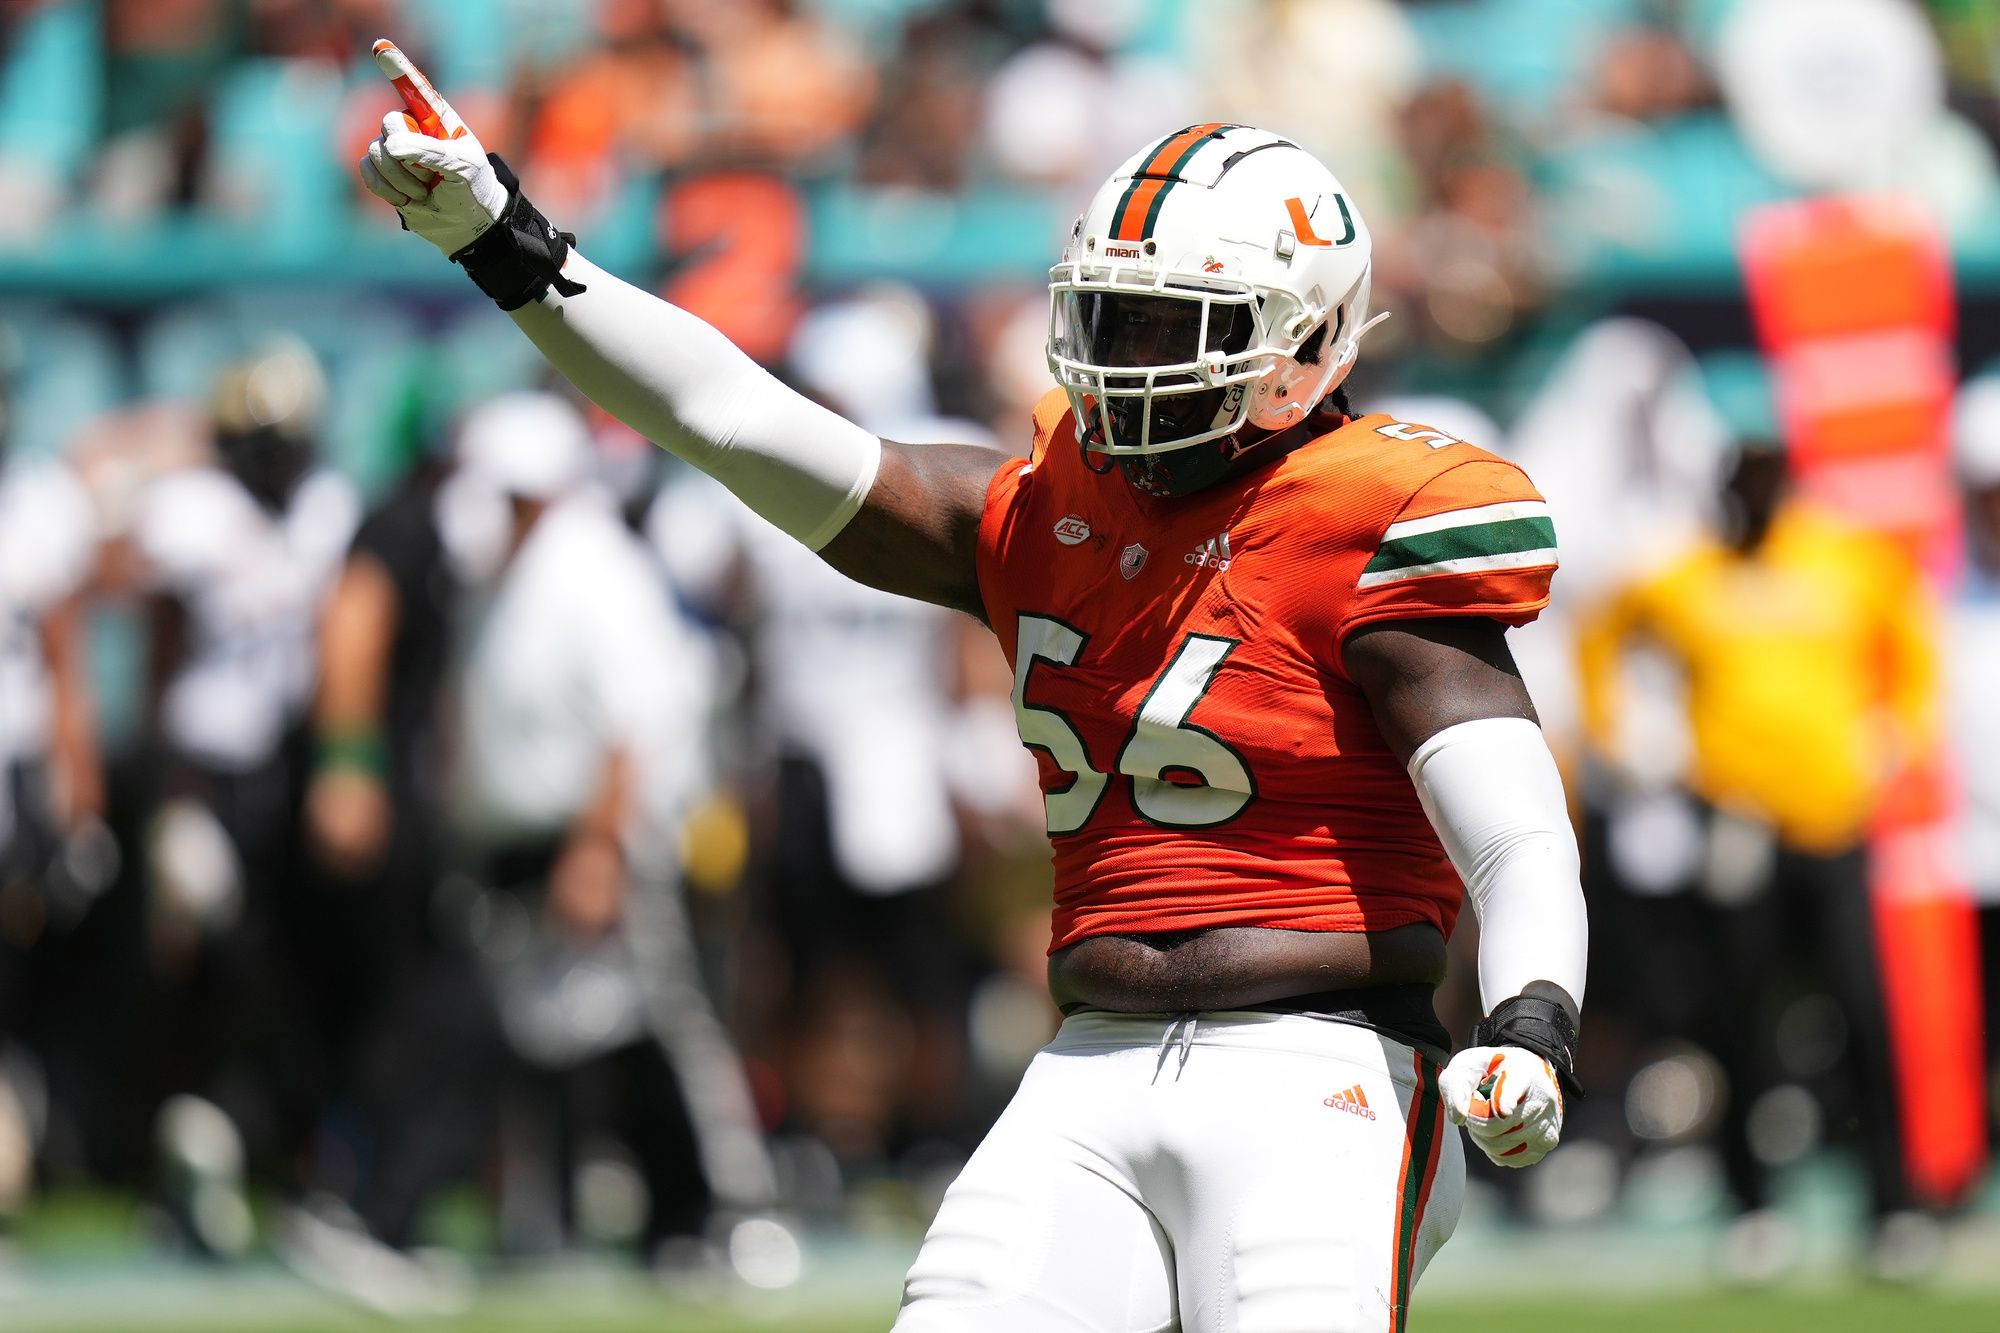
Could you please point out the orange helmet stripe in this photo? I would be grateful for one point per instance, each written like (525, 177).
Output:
(1170, 156)
(1136, 213)
(1136, 207)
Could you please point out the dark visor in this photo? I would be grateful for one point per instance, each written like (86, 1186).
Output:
(1128, 329)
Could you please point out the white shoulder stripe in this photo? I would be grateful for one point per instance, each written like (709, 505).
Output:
(1471, 564)
(1464, 518)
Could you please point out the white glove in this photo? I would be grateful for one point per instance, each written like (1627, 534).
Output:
(429, 165)
(1508, 1100)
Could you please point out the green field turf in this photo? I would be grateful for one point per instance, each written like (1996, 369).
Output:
(84, 1264)
(1872, 1310)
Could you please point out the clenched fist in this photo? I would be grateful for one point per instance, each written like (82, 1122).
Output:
(1509, 1101)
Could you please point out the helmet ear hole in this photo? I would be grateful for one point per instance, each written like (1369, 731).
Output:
(1314, 346)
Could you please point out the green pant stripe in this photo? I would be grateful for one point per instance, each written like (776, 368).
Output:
(1409, 1213)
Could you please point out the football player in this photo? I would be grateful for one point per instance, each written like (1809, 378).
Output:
(1258, 648)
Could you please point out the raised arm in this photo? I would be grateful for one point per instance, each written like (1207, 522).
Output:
(901, 517)
(898, 517)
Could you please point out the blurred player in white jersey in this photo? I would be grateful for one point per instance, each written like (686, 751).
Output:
(51, 781)
(240, 554)
(853, 717)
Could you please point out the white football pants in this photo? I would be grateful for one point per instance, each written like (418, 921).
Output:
(1235, 1172)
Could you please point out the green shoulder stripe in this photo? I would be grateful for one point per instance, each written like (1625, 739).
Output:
(1509, 534)
(1479, 539)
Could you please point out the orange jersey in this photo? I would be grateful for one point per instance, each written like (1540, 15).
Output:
(1205, 760)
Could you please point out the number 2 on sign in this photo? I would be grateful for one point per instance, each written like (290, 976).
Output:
(1162, 741)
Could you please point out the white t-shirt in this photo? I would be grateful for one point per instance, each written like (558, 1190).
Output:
(48, 539)
(579, 650)
(852, 677)
(1629, 452)
(253, 583)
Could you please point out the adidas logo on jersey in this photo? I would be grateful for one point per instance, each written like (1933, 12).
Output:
(1353, 1101)
(1211, 554)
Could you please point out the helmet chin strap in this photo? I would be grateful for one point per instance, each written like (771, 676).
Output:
(1092, 457)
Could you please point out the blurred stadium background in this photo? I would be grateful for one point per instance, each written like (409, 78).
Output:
(314, 1009)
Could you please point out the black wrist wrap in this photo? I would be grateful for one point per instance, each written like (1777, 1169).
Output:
(520, 256)
(1542, 1026)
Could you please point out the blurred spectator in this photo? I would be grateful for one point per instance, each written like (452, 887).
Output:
(635, 101)
(925, 131)
(1624, 443)
(788, 86)
(51, 783)
(739, 239)
(682, 85)
(241, 553)
(1805, 652)
(1646, 75)
(332, 32)
(854, 716)
(412, 1040)
(581, 731)
(1471, 255)
(1066, 110)
(1789, 74)
(1333, 75)
(48, 64)
(163, 58)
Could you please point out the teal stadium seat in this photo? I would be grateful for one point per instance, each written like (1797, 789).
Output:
(178, 352)
(384, 416)
(480, 356)
(480, 43)
(1657, 206)
(71, 372)
(51, 89)
(873, 21)
(1523, 54)
(275, 115)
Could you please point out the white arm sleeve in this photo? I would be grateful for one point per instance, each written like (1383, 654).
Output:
(1492, 792)
(680, 383)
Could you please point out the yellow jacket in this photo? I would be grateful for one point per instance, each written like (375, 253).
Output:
(1811, 670)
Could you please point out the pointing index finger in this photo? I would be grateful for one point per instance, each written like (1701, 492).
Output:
(426, 105)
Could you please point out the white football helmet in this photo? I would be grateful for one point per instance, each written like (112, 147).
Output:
(1219, 278)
